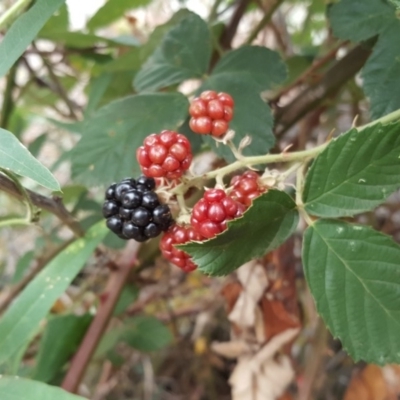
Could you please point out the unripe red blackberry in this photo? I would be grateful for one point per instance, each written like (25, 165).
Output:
(133, 210)
(211, 113)
(211, 213)
(179, 234)
(165, 155)
(246, 187)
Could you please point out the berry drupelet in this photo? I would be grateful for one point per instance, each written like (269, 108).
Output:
(133, 210)
(210, 214)
(165, 155)
(179, 234)
(211, 113)
(246, 187)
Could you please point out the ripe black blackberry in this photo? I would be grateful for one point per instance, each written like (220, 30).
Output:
(133, 210)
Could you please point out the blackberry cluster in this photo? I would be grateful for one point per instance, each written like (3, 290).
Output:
(179, 234)
(165, 155)
(211, 113)
(133, 210)
(211, 213)
(246, 187)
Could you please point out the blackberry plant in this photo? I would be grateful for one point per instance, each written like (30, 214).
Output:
(144, 166)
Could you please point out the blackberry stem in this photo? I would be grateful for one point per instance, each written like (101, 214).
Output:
(301, 156)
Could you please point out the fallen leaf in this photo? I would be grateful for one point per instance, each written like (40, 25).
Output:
(254, 281)
(367, 385)
(231, 292)
(276, 318)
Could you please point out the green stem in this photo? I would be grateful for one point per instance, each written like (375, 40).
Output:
(392, 117)
(8, 17)
(284, 157)
(14, 222)
(30, 208)
(264, 21)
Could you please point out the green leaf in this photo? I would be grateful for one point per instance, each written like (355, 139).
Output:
(16, 157)
(35, 146)
(271, 219)
(354, 276)
(183, 54)
(395, 3)
(98, 87)
(20, 321)
(143, 333)
(252, 116)
(15, 388)
(78, 40)
(129, 61)
(146, 333)
(22, 266)
(128, 296)
(112, 10)
(355, 173)
(245, 73)
(118, 129)
(59, 342)
(381, 73)
(58, 22)
(264, 66)
(159, 33)
(360, 20)
(118, 86)
(24, 30)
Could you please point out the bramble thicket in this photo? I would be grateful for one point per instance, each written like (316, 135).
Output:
(200, 200)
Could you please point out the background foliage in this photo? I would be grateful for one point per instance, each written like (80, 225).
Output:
(76, 102)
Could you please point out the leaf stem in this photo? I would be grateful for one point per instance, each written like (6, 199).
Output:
(250, 161)
(284, 157)
(8, 17)
(31, 211)
(53, 205)
(112, 292)
(14, 222)
(392, 117)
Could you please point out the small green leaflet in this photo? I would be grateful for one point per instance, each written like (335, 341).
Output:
(20, 321)
(354, 276)
(271, 219)
(15, 388)
(24, 30)
(16, 157)
(183, 54)
(355, 173)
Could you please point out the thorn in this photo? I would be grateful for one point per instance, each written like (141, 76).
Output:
(329, 137)
(355, 120)
(103, 297)
(287, 148)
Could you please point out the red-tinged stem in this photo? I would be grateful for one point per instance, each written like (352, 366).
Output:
(99, 324)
